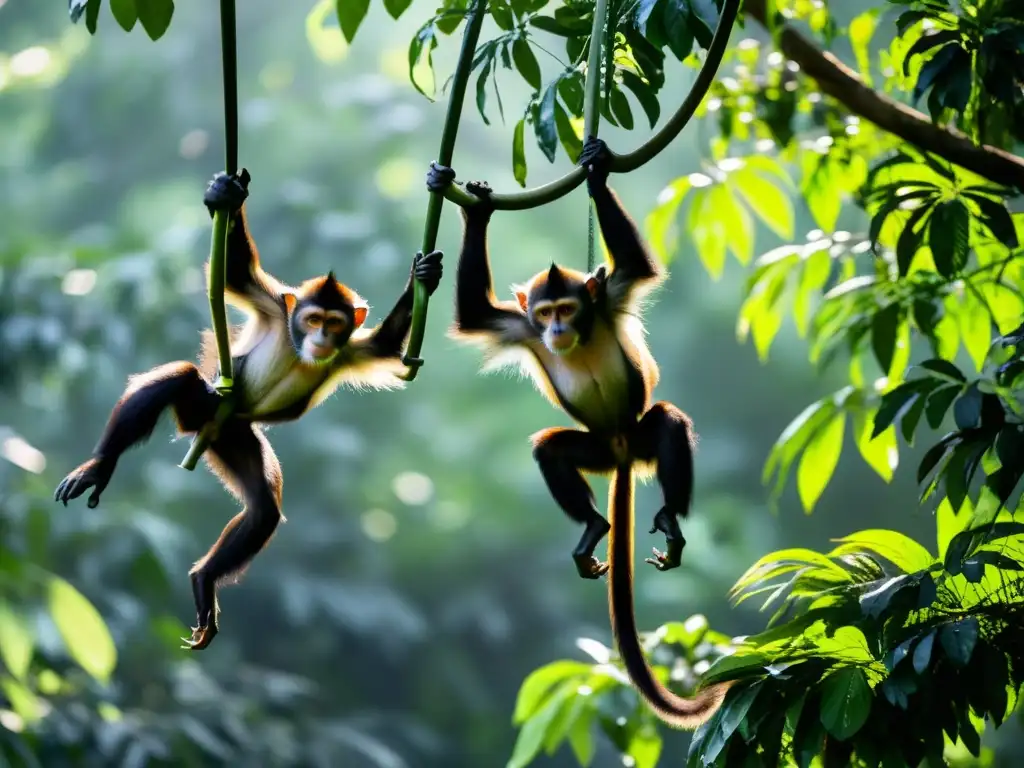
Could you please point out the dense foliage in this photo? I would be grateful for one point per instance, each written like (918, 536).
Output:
(883, 650)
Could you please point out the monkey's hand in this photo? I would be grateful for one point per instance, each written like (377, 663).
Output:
(597, 159)
(94, 473)
(227, 193)
(589, 567)
(428, 269)
(439, 177)
(667, 523)
(484, 207)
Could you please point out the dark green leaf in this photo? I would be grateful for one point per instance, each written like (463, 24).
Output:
(548, 24)
(958, 640)
(570, 88)
(873, 603)
(884, 325)
(481, 91)
(954, 89)
(927, 591)
(972, 570)
(923, 653)
(544, 124)
(502, 15)
(155, 16)
(934, 69)
(644, 95)
(570, 141)
(911, 416)
(944, 368)
(396, 7)
(736, 707)
(967, 409)
(933, 456)
(705, 16)
(947, 236)
(996, 218)
(620, 107)
(939, 402)
(845, 703)
(1010, 446)
(892, 402)
(808, 736)
(92, 15)
(526, 62)
(125, 13)
(676, 21)
(519, 152)
(350, 15)
(909, 17)
(927, 42)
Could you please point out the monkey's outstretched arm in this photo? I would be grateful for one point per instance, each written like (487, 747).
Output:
(247, 286)
(632, 263)
(477, 311)
(386, 339)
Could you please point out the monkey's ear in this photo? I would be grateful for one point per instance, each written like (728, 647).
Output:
(289, 302)
(359, 315)
(522, 298)
(593, 286)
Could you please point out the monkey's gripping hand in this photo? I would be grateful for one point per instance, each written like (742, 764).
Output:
(667, 523)
(94, 473)
(439, 177)
(428, 270)
(597, 159)
(227, 193)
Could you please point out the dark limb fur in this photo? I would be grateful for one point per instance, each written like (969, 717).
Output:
(561, 454)
(244, 460)
(388, 338)
(176, 385)
(665, 436)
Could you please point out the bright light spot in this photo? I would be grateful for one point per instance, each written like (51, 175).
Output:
(78, 282)
(731, 164)
(714, 104)
(109, 712)
(824, 141)
(792, 66)
(398, 177)
(813, 98)
(764, 145)
(11, 721)
(379, 524)
(629, 761)
(746, 117)
(620, 720)
(791, 85)
(747, 43)
(412, 488)
(666, 195)
(695, 622)
(21, 454)
(775, 59)
(699, 180)
(851, 120)
(742, 71)
(861, 247)
(193, 144)
(584, 690)
(881, 383)
(701, 667)
(841, 236)
(814, 234)
(31, 61)
(852, 130)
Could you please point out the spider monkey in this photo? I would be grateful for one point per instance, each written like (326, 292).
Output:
(297, 346)
(578, 337)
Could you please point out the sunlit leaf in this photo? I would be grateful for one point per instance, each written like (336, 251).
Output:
(898, 548)
(535, 728)
(660, 222)
(975, 328)
(819, 461)
(16, 642)
(880, 453)
(708, 232)
(519, 152)
(769, 203)
(82, 628)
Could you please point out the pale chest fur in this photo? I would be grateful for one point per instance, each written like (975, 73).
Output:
(274, 378)
(593, 380)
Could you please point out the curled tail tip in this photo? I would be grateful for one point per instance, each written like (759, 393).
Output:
(693, 712)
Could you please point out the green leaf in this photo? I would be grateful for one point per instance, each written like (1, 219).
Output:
(155, 16)
(645, 747)
(534, 691)
(566, 134)
(676, 19)
(894, 402)
(899, 549)
(396, 8)
(996, 218)
(80, 625)
(819, 461)
(845, 702)
(948, 231)
(975, 328)
(706, 14)
(958, 640)
(526, 62)
(620, 108)
(125, 13)
(644, 95)
(544, 124)
(661, 220)
(350, 15)
(967, 410)
(881, 453)
(861, 29)
(939, 402)
(519, 152)
(794, 437)
(16, 642)
(708, 232)
(944, 369)
(581, 740)
(766, 200)
(884, 324)
(534, 731)
(426, 36)
(92, 15)
(923, 653)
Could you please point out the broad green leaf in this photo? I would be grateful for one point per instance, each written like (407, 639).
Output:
(884, 324)
(948, 231)
(544, 124)
(396, 8)
(350, 15)
(126, 15)
(735, 666)
(736, 708)
(736, 222)
(819, 461)
(767, 201)
(861, 29)
(155, 16)
(645, 747)
(16, 642)
(80, 625)
(948, 524)
(901, 550)
(958, 640)
(881, 453)
(526, 62)
(571, 142)
(708, 232)
(534, 691)
(519, 152)
(22, 700)
(794, 437)
(581, 740)
(675, 18)
(814, 272)
(420, 64)
(534, 730)
(975, 328)
(660, 222)
(845, 702)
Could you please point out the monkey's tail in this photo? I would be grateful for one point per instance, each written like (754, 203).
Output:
(676, 711)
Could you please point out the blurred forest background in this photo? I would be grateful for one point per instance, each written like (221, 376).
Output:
(424, 570)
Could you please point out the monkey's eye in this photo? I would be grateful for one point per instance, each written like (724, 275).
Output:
(544, 313)
(314, 321)
(566, 310)
(334, 325)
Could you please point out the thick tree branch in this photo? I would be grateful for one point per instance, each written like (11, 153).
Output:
(843, 84)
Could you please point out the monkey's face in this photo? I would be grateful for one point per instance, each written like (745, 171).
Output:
(322, 317)
(556, 322)
(559, 304)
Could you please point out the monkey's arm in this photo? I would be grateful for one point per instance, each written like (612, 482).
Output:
(247, 286)
(632, 264)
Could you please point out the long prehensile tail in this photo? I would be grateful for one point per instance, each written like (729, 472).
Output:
(676, 711)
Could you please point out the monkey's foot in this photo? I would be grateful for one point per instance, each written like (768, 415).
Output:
(202, 635)
(479, 188)
(227, 193)
(92, 473)
(589, 567)
(667, 523)
(439, 177)
(595, 155)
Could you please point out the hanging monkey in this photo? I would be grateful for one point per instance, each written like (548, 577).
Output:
(298, 345)
(579, 338)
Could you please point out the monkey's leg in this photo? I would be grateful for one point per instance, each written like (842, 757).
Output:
(243, 459)
(134, 418)
(665, 435)
(561, 454)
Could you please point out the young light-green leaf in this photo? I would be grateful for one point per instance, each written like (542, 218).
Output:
(82, 628)
(767, 201)
(15, 642)
(534, 730)
(819, 461)
(538, 685)
(880, 453)
(519, 152)
(845, 702)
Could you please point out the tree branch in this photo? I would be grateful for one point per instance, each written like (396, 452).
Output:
(843, 84)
